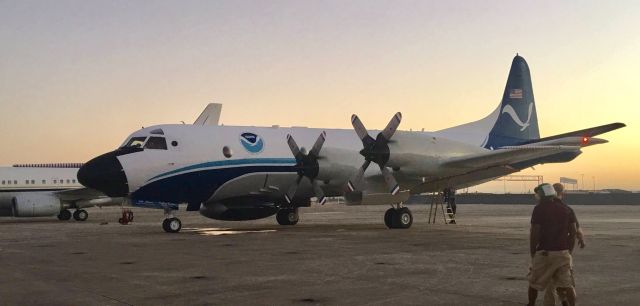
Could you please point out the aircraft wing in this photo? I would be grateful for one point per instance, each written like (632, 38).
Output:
(87, 197)
(467, 179)
(506, 156)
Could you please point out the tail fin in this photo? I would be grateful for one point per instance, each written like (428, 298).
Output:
(517, 120)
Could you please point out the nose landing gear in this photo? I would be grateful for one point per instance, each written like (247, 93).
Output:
(171, 224)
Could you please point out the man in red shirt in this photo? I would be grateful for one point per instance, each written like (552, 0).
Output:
(552, 238)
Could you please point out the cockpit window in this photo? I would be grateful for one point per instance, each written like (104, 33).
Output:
(157, 132)
(158, 143)
(135, 142)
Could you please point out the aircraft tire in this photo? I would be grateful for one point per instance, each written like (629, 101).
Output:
(403, 218)
(80, 215)
(64, 215)
(389, 216)
(288, 216)
(172, 225)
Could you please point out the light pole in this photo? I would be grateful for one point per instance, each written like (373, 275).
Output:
(594, 183)
(582, 181)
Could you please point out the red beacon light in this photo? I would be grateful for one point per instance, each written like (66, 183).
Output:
(585, 140)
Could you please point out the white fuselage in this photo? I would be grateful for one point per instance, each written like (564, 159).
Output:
(31, 190)
(199, 154)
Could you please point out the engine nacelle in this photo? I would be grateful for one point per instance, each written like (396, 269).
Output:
(220, 211)
(35, 205)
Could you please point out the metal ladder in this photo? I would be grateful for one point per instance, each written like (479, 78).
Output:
(447, 214)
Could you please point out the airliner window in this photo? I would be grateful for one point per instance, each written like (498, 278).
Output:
(158, 143)
(135, 142)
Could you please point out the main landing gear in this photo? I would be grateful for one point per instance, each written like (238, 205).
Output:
(288, 216)
(78, 215)
(171, 224)
(398, 217)
(64, 215)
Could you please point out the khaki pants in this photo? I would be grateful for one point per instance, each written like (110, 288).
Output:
(551, 267)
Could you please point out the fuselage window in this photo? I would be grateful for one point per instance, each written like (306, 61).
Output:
(55, 181)
(26, 182)
(73, 181)
(174, 143)
(15, 182)
(68, 181)
(33, 182)
(2, 182)
(136, 142)
(158, 143)
(44, 181)
(9, 182)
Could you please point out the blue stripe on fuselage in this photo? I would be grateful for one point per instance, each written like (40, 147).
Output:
(227, 163)
(199, 185)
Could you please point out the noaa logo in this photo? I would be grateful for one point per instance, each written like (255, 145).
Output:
(508, 109)
(252, 142)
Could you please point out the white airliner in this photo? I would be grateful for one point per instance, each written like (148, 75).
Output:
(247, 172)
(43, 190)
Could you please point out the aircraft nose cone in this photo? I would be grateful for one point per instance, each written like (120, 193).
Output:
(105, 173)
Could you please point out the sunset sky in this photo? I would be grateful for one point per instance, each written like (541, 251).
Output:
(76, 77)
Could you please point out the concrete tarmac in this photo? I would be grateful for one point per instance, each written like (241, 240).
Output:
(336, 255)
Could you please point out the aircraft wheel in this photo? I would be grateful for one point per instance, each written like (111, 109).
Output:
(171, 225)
(287, 216)
(389, 216)
(64, 215)
(403, 218)
(80, 215)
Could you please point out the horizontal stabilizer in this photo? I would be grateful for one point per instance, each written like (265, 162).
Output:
(569, 141)
(590, 132)
(210, 115)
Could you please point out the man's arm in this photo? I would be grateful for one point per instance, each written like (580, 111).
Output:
(572, 236)
(534, 238)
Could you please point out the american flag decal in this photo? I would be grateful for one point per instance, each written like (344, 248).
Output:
(515, 94)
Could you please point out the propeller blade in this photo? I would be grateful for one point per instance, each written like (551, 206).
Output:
(392, 126)
(319, 193)
(358, 178)
(293, 145)
(390, 180)
(318, 145)
(359, 127)
(292, 190)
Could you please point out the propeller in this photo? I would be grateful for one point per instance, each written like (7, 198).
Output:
(376, 151)
(307, 166)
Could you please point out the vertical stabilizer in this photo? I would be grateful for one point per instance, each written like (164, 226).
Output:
(210, 115)
(517, 121)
